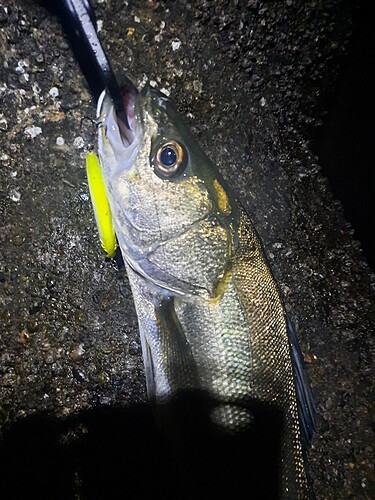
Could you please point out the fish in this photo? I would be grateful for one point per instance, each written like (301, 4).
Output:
(210, 313)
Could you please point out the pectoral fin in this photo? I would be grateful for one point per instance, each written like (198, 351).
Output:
(179, 364)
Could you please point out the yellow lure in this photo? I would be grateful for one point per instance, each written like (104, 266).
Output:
(100, 205)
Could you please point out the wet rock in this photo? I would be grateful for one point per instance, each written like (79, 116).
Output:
(289, 57)
(77, 353)
(18, 240)
(35, 308)
(69, 103)
(32, 326)
(78, 375)
(134, 348)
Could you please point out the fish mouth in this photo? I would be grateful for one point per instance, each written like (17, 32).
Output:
(114, 122)
(116, 140)
(129, 99)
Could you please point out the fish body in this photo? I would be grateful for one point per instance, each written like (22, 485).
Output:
(209, 311)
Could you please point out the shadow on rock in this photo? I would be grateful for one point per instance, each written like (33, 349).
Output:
(121, 453)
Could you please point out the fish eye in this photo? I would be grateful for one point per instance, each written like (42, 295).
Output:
(170, 160)
(168, 156)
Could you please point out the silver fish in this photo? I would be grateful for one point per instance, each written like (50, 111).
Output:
(209, 311)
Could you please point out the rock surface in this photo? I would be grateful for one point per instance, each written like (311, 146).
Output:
(249, 78)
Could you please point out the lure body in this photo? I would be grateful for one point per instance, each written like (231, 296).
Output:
(100, 205)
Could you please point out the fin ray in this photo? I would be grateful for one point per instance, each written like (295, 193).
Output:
(305, 399)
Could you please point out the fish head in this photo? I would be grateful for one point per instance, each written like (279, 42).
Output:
(173, 215)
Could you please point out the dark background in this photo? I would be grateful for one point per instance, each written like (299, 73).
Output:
(344, 144)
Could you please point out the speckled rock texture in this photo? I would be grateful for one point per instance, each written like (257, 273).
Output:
(249, 77)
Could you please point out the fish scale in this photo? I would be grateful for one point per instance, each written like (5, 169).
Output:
(272, 371)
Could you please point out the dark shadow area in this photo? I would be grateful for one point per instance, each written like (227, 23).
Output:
(121, 453)
(344, 142)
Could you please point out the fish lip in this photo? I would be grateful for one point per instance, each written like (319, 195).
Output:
(116, 142)
(105, 111)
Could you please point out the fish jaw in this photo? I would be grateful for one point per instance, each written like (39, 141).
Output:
(121, 150)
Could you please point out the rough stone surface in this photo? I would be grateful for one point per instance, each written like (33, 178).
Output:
(249, 78)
